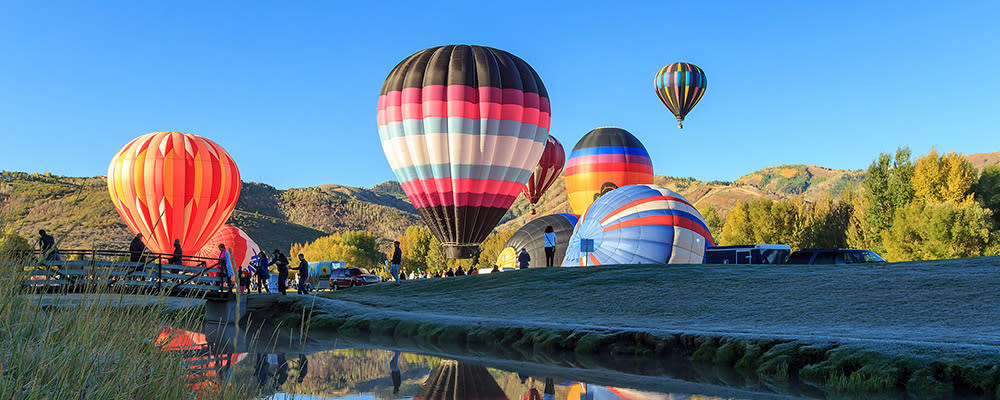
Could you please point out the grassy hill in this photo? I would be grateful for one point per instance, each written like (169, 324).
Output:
(79, 210)
(80, 214)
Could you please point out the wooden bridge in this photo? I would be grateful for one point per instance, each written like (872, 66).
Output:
(76, 271)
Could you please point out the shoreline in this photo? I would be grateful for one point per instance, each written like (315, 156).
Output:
(917, 342)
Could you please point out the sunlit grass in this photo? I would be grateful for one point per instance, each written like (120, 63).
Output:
(97, 347)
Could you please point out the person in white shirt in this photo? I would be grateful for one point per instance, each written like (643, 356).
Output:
(550, 245)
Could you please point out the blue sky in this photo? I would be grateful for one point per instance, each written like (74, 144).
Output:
(290, 88)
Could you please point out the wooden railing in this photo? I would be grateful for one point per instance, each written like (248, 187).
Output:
(80, 270)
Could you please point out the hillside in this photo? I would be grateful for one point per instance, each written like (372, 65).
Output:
(80, 214)
(79, 210)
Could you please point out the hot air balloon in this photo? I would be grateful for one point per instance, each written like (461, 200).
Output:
(452, 380)
(463, 127)
(680, 86)
(548, 169)
(241, 247)
(530, 237)
(171, 185)
(603, 160)
(639, 224)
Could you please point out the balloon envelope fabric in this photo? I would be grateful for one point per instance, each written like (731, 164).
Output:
(452, 380)
(241, 247)
(171, 185)
(603, 160)
(640, 224)
(463, 127)
(548, 169)
(680, 86)
(531, 236)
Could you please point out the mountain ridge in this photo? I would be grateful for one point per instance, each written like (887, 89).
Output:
(79, 209)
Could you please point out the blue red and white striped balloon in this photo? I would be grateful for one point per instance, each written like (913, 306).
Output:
(640, 224)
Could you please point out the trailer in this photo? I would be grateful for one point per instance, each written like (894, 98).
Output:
(748, 254)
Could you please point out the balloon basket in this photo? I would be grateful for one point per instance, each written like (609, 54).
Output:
(460, 251)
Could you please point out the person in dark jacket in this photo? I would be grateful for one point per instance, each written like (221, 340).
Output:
(178, 253)
(281, 262)
(136, 248)
(523, 258)
(262, 273)
(303, 275)
(397, 258)
(460, 271)
(47, 246)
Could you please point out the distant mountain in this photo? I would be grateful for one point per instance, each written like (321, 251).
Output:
(80, 214)
(808, 180)
(79, 210)
(980, 160)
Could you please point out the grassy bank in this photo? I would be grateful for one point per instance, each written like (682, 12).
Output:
(924, 328)
(96, 346)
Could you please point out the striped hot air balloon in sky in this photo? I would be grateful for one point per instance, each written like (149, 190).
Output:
(603, 160)
(640, 224)
(548, 169)
(680, 86)
(171, 185)
(463, 127)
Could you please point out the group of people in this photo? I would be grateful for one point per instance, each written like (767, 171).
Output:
(245, 280)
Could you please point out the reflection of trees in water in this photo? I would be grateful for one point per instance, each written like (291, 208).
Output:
(340, 372)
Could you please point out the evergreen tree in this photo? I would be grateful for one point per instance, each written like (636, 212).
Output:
(987, 191)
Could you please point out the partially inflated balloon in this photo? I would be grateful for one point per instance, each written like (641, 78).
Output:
(171, 185)
(548, 169)
(639, 224)
(463, 127)
(680, 86)
(603, 160)
(531, 237)
(241, 247)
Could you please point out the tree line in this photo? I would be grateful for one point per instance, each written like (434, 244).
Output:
(937, 206)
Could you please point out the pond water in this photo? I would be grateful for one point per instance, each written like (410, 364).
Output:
(287, 365)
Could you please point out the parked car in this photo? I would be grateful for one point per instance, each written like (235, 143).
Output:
(341, 278)
(834, 256)
(748, 254)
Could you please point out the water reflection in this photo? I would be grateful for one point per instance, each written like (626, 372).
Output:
(365, 373)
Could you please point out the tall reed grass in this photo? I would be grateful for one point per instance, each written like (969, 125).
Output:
(92, 346)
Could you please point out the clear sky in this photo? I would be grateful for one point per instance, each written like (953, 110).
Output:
(289, 88)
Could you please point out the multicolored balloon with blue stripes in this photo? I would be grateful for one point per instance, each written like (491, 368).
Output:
(603, 160)
(680, 86)
(463, 127)
(639, 224)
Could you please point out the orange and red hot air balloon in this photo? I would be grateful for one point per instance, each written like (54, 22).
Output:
(548, 169)
(172, 185)
(241, 247)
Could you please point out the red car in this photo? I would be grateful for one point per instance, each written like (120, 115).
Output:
(341, 278)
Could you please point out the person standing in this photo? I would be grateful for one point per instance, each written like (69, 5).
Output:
(281, 262)
(394, 371)
(225, 266)
(397, 258)
(523, 258)
(550, 245)
(262, 273)
(47, 246)
(303, 275)
(136, 248)
(178, 253)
